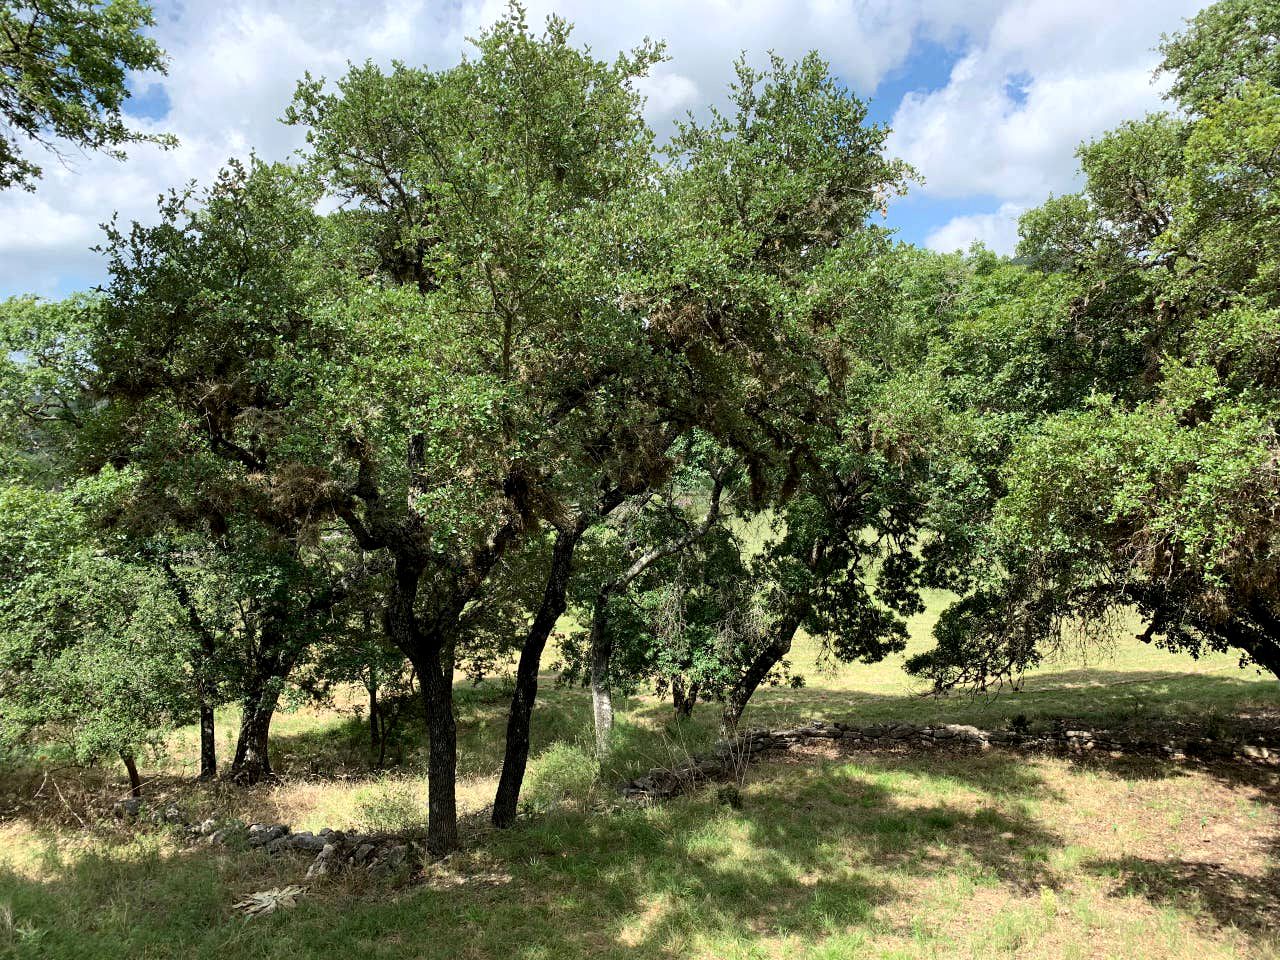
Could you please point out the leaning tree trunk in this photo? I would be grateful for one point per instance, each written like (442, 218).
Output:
(131, 766)
(1267, 656)
(516, 757)
(1264, 649)
(778, 647)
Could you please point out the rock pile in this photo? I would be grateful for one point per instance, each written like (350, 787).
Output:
(135, 808)
(382, 855)
(730, 756)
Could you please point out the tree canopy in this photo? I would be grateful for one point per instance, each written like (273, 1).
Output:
(487, 353)
(1150, 487)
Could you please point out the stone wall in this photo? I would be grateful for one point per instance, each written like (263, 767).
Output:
(381, 855)
(730, 756)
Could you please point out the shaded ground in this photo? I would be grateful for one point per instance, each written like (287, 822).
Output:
(835, 852)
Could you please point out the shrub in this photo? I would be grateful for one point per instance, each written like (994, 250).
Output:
(392, 806)
(564, 775)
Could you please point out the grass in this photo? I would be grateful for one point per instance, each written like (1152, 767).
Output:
(833, 854)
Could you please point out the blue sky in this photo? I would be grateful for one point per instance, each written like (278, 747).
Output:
(926, 69)
(987, 98)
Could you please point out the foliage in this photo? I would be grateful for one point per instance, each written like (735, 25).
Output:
(1226, 46)
(88, 657)
(1153, 488)
(64, 67)
(45, 383)
(486, 353)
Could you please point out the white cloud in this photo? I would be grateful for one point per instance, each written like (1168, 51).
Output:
(863, 39)
(1048, 76)
(997, 231)
(666, 93)
(233, 67)
(58, 228)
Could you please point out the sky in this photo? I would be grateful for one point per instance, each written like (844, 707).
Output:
(987, 99)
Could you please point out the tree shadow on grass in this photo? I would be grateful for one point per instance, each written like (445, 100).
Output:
(995, 772)
(813, 853)
(809, 854)
(908, 814)
(834, 843)
(1233, 898)
(1229, 880)
(1235, 885)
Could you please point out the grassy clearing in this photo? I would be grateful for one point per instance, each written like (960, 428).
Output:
(833, 854)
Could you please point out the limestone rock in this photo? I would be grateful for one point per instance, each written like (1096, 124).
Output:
(127, 809)
(261, 834)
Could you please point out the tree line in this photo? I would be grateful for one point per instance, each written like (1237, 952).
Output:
(486, 353)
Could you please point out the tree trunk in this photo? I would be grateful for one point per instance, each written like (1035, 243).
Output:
(202, 656)
(135, 781)
(683, 698)
(372, 686)
(382, 752)
(601, 692)
(252, 764)
(208, 743)
(424, 652)
(1258, 642)
(442, 762)
(1267, 656)
(516, 758)
(741, 692)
